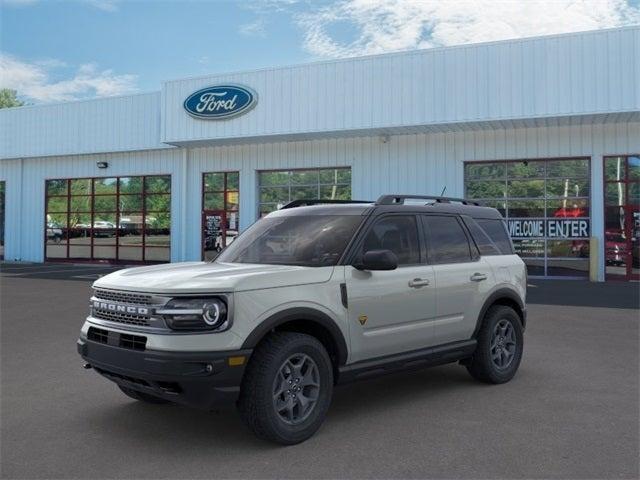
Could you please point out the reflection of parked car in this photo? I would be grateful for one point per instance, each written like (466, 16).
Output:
(580, 248)
(54, 232)
(615, 247)
(108, 229)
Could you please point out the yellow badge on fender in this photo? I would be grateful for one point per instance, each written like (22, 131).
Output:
(362, 319)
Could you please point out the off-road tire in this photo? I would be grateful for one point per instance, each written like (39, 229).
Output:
(481, 366)
(141, 396)
(256, 404)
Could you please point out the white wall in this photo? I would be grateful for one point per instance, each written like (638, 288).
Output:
(553, 76)
(112, 124)
(417, 163)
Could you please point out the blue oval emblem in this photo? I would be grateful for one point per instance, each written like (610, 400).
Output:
(220, 102)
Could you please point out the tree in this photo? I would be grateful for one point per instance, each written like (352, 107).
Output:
(9, 98)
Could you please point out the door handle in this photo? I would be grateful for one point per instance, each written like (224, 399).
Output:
(418, 282)
(478, 277)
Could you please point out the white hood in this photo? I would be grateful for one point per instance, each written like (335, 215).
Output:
(204, 277)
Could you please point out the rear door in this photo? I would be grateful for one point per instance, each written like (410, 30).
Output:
(463, 279)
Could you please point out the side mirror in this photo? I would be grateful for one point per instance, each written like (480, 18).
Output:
(378, 260)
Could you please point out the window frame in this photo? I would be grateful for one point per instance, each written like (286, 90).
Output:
(117, 213)
(544, 257)
(289, 185)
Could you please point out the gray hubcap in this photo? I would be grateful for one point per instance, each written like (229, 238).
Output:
(296, 388)
(503, 344)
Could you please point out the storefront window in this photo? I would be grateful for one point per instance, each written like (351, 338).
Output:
(547, 207)
(277, 187)
(622, 217)
(125, 219)
(2, 190)
(220, 211)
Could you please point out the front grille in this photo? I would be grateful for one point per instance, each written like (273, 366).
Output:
(98, 335)
(133, 342)
(126, 318)
(123, 340)
(123, 297)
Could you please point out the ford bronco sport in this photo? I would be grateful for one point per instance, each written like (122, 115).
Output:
(313, 295)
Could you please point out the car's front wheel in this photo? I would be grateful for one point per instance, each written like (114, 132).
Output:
(500, 345)
(287, 388)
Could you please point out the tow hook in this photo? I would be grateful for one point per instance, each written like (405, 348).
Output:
(87, 366)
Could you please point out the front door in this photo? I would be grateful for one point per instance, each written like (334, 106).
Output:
(391, 311)
(214, 233)
(622, 217)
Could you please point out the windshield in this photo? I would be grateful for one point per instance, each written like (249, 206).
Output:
(311, 241)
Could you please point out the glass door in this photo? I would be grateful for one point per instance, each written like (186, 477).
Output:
(220, 211)
(622, 217)
(214, 233)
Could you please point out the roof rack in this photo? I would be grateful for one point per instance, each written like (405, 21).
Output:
(399, 199)
(315, 201)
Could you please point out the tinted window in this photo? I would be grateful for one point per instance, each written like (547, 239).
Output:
(446, 240)
(398, 234)
(498, 234)
(312, 241)
(484, 243)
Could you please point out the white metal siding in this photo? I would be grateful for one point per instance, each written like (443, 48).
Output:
(101, 125)
(564, 75)
(24, 229)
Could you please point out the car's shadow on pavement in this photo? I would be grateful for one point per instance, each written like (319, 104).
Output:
(357, 403)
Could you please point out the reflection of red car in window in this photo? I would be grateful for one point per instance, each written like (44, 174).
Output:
(615, 247)
(573, 212)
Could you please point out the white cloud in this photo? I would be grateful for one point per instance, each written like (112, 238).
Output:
(33, 80)
(253, 29)
(389, 25)
(105, 5)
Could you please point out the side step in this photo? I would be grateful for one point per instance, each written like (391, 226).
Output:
(426, 357)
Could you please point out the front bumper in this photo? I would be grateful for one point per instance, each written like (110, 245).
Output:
(202, 380)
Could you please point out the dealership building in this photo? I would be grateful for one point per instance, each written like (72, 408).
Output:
(545, 129)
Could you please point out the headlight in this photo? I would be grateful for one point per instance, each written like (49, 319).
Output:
(196, 314)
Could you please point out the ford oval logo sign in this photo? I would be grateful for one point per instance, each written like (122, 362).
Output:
(220, 102)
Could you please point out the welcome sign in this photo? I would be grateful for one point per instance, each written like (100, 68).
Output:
(220, 102)
(552, 228)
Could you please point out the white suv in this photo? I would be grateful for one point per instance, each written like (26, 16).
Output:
(315, 294)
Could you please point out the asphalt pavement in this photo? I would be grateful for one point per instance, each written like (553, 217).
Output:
(571, 411)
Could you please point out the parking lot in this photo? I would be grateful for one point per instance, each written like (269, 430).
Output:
(571, 412)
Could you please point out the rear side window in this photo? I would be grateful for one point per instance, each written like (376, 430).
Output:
(497, 232)
(485, 244)
(446, 240)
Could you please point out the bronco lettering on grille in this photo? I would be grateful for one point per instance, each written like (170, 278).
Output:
(114, 307)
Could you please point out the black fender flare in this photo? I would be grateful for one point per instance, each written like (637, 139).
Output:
(501, 293)
(305, 314)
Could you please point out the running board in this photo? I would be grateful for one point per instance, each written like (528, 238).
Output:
(426, 357)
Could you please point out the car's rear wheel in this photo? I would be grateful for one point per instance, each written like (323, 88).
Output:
(141, 396)
(500, 345)
(287, 388)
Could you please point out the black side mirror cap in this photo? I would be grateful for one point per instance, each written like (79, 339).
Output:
(378, 260)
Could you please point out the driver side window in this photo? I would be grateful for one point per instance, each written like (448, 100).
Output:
(398, 233)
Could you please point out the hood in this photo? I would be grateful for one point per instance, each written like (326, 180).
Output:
(204, 277)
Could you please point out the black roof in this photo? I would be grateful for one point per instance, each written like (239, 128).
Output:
(390, 203)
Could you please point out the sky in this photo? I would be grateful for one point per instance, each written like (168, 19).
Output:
(61, 50)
